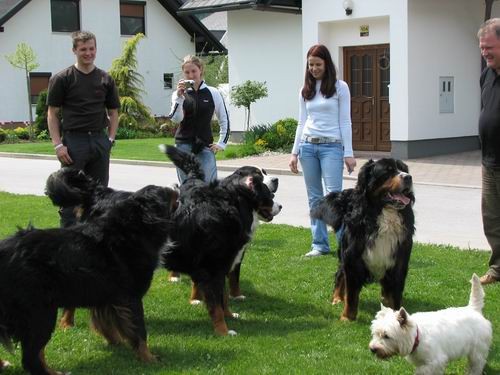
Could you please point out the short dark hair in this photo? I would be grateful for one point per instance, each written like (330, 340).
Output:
(82, 36)
(493, 24)
(330, 78)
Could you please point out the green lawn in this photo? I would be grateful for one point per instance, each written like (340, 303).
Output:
(133, 149)
(287, 325)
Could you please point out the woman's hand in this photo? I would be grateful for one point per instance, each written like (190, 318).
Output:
(181, 88)
(350, 163)
(215, 148)
(293, 164)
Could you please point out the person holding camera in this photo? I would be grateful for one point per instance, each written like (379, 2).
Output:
(193, 106)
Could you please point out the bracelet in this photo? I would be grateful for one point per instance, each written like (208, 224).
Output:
(58, 146)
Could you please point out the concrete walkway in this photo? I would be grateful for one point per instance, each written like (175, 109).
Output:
(447, 189)
(459, 170)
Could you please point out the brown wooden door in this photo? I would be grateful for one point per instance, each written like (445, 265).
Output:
(367, 72)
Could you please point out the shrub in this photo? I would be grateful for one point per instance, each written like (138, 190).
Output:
(3, 135)
(41, 113)
(43, 135)
(126, 133)
(276, 137)
(11, 136)
(22, 133)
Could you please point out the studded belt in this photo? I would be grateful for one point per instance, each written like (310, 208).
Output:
(316, 140)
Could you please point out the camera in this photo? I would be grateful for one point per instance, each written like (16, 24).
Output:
(188, 83)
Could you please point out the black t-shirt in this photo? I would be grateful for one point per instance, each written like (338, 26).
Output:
(83, 98)
(489, 119)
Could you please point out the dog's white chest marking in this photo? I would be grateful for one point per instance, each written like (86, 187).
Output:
(239, 256)
(380, 256)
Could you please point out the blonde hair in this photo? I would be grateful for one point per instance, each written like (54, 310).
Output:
(191, 59)
(491, 25)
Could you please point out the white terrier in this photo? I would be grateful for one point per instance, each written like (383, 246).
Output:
(430, 340)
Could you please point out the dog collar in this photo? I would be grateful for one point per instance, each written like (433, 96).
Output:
(417, 341)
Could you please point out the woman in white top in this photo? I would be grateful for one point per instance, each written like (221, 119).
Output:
(323, 141)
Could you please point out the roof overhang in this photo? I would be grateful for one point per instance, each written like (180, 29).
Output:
(213, 6)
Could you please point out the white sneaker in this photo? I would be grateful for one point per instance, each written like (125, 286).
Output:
(315, 253)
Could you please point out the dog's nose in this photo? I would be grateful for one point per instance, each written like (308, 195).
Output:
(280, 207)
(407, 179)
(373, 350)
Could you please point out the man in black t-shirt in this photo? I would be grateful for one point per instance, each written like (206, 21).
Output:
(87, 99)
(489, 135)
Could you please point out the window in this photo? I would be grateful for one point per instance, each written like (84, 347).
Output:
(132, 18)
(65, 15)
(168, 79)
(38, 83)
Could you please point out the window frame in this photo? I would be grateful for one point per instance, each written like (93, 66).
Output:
(58, 28)
(36, 89)
(139, 15)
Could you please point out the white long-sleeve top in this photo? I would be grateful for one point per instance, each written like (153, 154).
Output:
(322, 117)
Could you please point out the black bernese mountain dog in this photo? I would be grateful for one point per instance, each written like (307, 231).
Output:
(105, 263)
(213, 223)
(70, 187)
(239, 176)
(376, 223)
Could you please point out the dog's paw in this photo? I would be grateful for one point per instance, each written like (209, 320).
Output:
(235, 315)
(231, 333)
(4, 364)
(241, 297)
(174, 279)
(337, 300)
(344, 318)
(195, 302)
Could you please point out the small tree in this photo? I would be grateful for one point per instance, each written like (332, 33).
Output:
(25, 58)
(129, 82)
(247, 93)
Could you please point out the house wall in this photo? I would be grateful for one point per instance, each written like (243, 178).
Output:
(442, 36)
(325, 22)
(161, 51)
(265, 46)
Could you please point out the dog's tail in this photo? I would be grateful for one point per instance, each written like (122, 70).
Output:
(69, 187)
(184, 161)
(476, 299)
(332, 208)
(114, 323)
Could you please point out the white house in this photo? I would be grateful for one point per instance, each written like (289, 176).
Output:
(412, 66)
(46, 26)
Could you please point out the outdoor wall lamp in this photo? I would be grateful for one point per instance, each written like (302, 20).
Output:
(348, 7)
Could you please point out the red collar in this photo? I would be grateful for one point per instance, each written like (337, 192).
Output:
(417, 341)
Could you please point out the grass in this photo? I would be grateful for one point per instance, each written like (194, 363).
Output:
(133, 149)
(287, 324)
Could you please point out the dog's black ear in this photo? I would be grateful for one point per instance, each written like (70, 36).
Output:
(402, 317)
(364, 175)
(402, 166)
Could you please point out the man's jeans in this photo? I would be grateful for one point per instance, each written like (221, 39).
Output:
(490, 207)
(205, 157)
(321, 164)
(90, 153)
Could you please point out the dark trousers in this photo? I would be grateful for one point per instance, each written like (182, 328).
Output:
(90, 153)
(490, 207)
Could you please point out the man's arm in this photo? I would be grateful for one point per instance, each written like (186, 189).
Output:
(54, 125)
(113, 123)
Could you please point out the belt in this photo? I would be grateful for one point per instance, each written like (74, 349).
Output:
(88, 132)
(309, 139)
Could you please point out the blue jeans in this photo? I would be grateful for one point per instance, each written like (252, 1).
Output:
(321, 164)
(205, 157)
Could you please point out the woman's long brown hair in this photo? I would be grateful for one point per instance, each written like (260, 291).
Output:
(329, 79)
